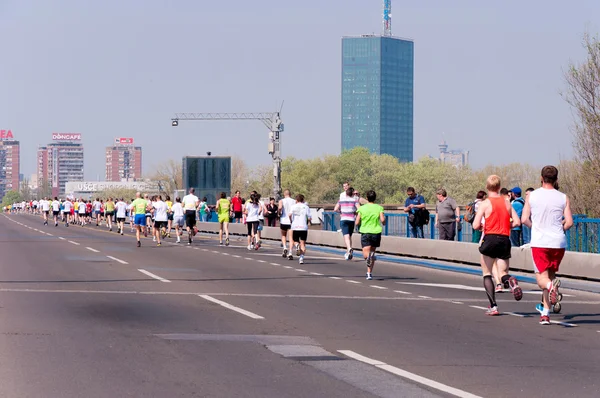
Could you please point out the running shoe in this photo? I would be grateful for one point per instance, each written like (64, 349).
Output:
(226, 241)
(67, 224)
(553, 292)
(492, 311)
(121, 233)
(301, 259)
(154, 239)
(368, 261)
(350, 254)
(539, 308)
(290, 257)
(178, 239)
(346, 256)
(189, 240)
(139, 244)
(145, 233)
(158, 244)
(369, 276)
(499, 288)
(249, 247)
(544, 320)
(297, 250)
(285, 253)
(515, 289)
(220, 243)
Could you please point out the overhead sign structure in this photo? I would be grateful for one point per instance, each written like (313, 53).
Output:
(66, 136)
(124, 141)
(6, 135)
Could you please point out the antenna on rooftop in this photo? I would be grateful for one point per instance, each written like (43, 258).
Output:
(387, 18)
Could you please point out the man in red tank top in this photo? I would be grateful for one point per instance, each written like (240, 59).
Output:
(500, 218)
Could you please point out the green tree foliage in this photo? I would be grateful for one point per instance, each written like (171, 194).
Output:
(11, 197)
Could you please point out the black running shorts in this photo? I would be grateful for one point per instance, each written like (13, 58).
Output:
(298, 236)
(372, 240)
(190, 218)
(495, 246)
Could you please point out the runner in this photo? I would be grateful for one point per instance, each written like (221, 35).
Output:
(89, 207)
(548, 213)
(495, 245)
(160, 210)
(252, 211)
(96, 207)
(190, 203)
(81, 208)
(148, 215)
(348, 205)
(109, 208)
(169, 215)
(131, 216)
(45, 206)
(121, 208)
(370, 219)
(300, 216)
(223, 209)
(237, 207)
(55, 210)
(178, 218)
(139, 207)
(285, 224)
(68, 206)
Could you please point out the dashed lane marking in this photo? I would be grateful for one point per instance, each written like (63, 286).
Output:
(424, 297)
(260, 261)
(478, 307)
(151, 275)
(93, 250)
(74, 243)
(407, 375)
(300, 270)
(401, 292)
(317, 274)
(569, 325)
(287, 266)
(275, 264)
(457, 302)
(379, 287)
(231, 307)
(118, 260)
(61, 238)
(335, 277)
(235, 255)
(355, 282)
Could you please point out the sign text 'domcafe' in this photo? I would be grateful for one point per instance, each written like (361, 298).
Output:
(66, 136)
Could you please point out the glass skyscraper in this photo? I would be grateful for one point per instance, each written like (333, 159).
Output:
(377, 95)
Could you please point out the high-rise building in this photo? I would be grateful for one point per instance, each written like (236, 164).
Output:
(377, 92)
(59, 162)
(123, 161)
(9, 162)
(455, 157)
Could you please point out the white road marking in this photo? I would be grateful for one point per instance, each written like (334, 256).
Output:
(317, 274)
(248, 258)
(515, 314)
(424, 297)
(205, 250)
(216, 252)
(118, 260)
(275, 264)
(151, 275)
(401, 292)
(300, 270)
(260, 261)
(571, 325)
(287, 266)
(355, 282)
(61, 238)
(407, 375)
(74, 243)
(456, 302)
(225, 254)
(231, 307)
(464, 287)
(334, 277)
(477, 307)
(49, 234)
(235, 255)
(379, 287)
(93, 250)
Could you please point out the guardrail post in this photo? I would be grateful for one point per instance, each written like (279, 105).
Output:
(585, 238)
(460, 231)
(407, 227)
(432, 225)
(386, 229)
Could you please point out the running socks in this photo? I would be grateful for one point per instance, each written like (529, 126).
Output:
(505, 279)
(490, 289)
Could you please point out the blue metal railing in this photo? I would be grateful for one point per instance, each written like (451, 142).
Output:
(583, 237)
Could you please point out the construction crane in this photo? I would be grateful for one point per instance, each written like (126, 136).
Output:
(272, 120)
(387, 18)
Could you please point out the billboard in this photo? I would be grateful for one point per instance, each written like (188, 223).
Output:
(79, 187)
(210, 175)
(66, 136)
(124, 141)
(6, 135)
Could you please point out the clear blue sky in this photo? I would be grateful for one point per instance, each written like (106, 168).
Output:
(487, 74)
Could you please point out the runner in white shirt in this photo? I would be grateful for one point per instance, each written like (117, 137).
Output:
(252, 209)
(190, 205)
(178, 218)
(55, 210)
(285, 224)
(45, 206)
(67, 205)
(96, 206)
(161, 218)
(81, 210)
(300, 215)
(121, 209)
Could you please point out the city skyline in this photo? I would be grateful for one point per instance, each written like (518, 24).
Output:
(481, 71)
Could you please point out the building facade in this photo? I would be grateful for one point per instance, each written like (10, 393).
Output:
(377, 95)
(58, 163)
(456, 157)
(9, 166)
(123, 161)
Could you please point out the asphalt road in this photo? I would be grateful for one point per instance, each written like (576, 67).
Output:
(83, 312)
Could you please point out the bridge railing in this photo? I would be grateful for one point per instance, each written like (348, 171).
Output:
(583, 237)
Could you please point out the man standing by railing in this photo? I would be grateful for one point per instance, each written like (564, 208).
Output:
(415, 206)
(447, 214)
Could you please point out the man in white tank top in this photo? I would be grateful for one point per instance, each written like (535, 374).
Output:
(285, 223)
(548, 213)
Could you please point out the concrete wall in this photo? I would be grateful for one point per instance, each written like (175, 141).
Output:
(580, 265)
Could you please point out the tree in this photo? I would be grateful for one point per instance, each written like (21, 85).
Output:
(11, 197)
(582, 93)
(240, 175)
(169, 176)
(25, 190)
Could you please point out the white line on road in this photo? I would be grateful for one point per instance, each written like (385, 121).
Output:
(118, 260)
(287, 266)
(424, 297)
(300, 270)
(61, 238)
(316, 274)
(235, 255)
(93, 250)
(260, 261)
(379, 287)
(216, 252)
(225, 254)
(457, 302)
(570, 325)
(335, 277)
(248, 258)
(401, 292)
(275, 264)
(231, 307)
(356, 282)
(49, 234)
(515, 314)
(74, 243)
(151, 275)
(407, 375)
(478, 308)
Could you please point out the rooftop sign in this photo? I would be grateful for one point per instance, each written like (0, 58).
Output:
(66, 136)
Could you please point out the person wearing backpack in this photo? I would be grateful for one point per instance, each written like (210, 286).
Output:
(415, 207)
(516, 234)
(471, 211)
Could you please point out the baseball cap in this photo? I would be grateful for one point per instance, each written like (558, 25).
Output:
(516, 190)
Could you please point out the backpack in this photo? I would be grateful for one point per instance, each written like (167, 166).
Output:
(425, 216)
(470, 213)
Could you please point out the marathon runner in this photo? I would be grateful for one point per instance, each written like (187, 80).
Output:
(97, 207)
(370, 219)
(285, 224)
(178, 218)
(55, 210)
(68, 206)
(169, 215)
(190, 204)
(139, 207)
(109, 209)
(45, 206)
(121, 208)
(223, 209)
(159, 209)
(300, 216)
(252, 210)
(82, 208)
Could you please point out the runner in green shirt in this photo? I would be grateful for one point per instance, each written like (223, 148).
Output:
(223, 209)
(139, 207)
(370, 217)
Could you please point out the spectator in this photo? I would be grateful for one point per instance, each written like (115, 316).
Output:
(481, 196)
(516, 235)
(237, 207)
(272, 213)
(414, 206)
(447, 214)
(525, 229)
